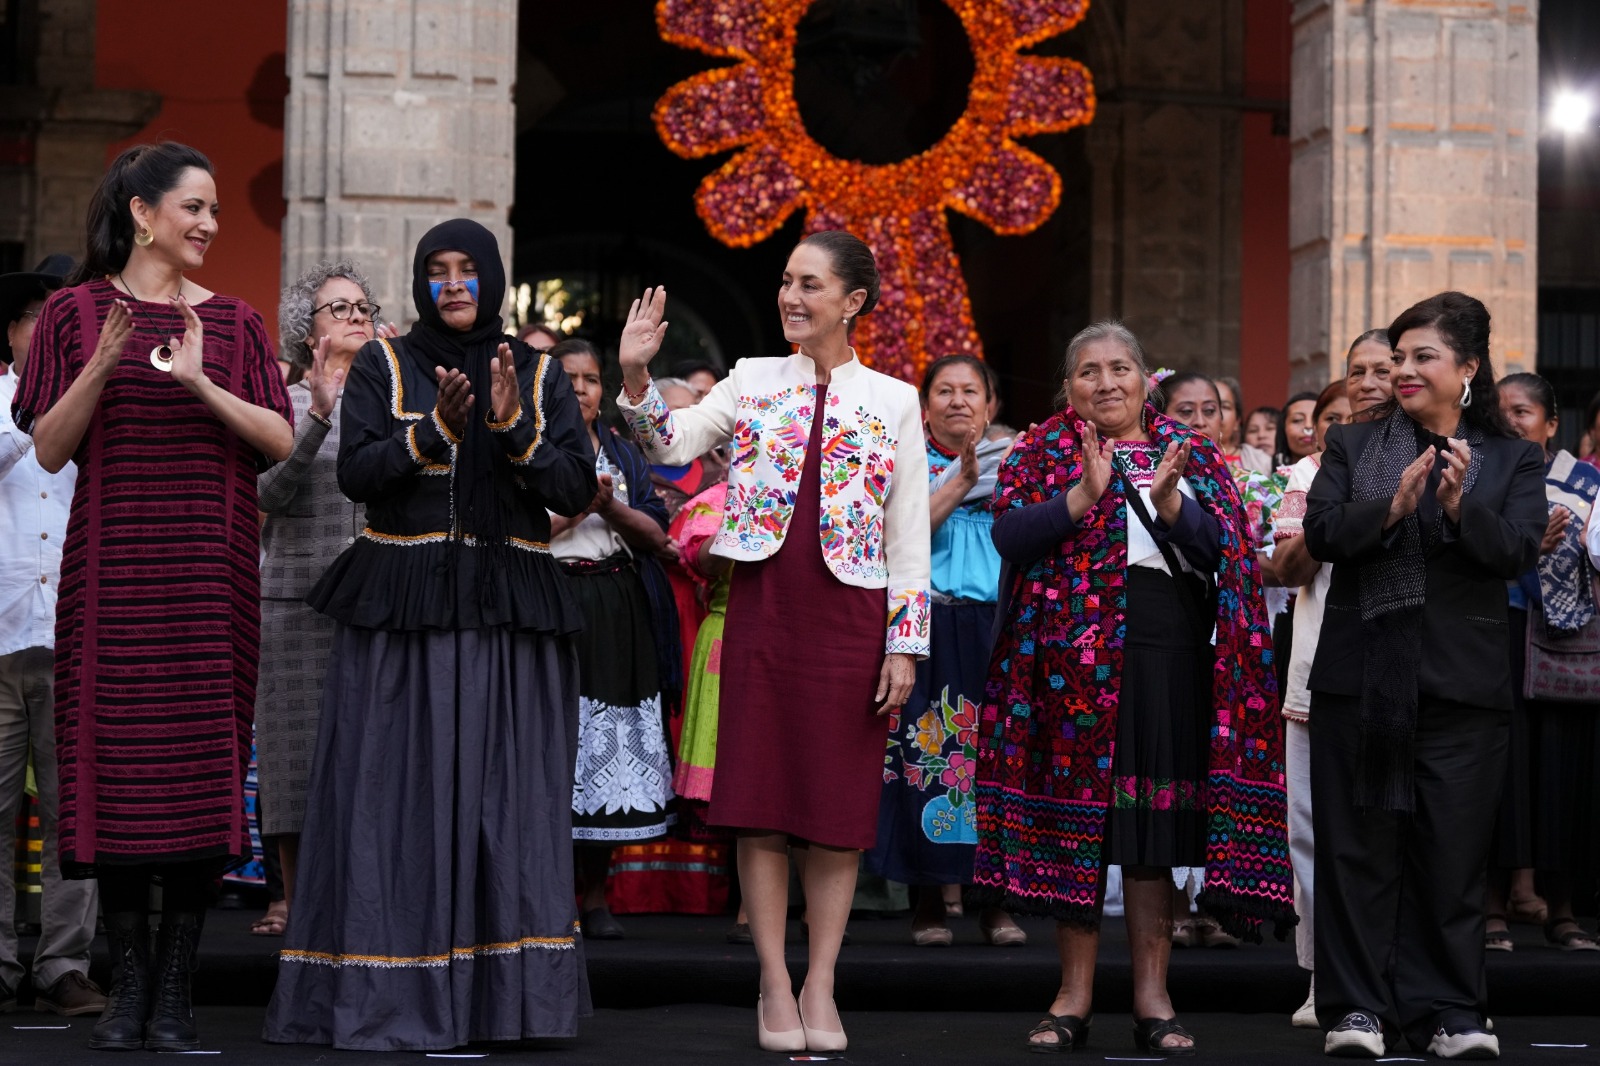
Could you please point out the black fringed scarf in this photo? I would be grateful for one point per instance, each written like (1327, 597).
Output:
(1392, 588)
(478, 511)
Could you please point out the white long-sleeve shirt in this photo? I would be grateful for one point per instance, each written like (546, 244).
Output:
(34, 506)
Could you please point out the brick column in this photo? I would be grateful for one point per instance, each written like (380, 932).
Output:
(399, 117)
(1414, 129)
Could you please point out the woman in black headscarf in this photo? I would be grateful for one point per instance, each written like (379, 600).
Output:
(436, 862)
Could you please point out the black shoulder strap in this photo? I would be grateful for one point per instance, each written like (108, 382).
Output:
(1186, 591)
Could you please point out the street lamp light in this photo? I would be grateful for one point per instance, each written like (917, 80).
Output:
(1571, 112)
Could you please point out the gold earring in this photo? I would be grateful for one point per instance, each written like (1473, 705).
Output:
(144, 237)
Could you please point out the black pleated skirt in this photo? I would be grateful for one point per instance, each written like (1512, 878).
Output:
(1159, 766)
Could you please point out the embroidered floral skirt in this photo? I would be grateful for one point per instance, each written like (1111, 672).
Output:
(1158, 768)
(927, 828)
(622, 790)
(434, 901)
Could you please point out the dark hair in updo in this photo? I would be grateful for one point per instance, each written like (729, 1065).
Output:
(1463, 322)
(853, 261)
(945, 362)
(1539, 390)
(1173, 382)
(148, 171)
(576, 346)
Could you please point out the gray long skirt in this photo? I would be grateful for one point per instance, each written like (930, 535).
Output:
(434, 902)
(294, 659)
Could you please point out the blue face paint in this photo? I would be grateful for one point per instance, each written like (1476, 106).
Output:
(436, 287)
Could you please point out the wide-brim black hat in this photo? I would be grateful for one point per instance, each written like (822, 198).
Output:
(18, 290)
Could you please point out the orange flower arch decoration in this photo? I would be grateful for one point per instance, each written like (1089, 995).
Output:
(977, 168)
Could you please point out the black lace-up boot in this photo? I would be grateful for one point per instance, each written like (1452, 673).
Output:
(121, 1025)
(171, 1026)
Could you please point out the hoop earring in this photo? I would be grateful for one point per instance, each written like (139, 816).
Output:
(1466, 393)
(144, 237)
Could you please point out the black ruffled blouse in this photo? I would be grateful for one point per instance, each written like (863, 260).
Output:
(404, 572)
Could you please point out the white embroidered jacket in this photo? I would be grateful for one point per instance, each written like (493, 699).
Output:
(874, 522)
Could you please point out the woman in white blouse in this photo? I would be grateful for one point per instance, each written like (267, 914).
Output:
(833, 451)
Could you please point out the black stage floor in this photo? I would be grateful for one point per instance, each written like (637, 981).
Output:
(676, 992)
(708, 1035)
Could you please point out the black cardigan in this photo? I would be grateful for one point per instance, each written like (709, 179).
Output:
(1466, 652)
(404, 572)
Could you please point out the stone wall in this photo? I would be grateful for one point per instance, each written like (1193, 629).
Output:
(1164, 150)
(1414, 128)
(399, 117)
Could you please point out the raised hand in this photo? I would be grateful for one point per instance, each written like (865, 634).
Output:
(641, 338)
(1555, 530)
(1412, 482)
(505, 395)
(188, 354)
(1164, 488)
(113, 337)
(455, 400)
(324, 386)
(1452, 479)
(387, 330)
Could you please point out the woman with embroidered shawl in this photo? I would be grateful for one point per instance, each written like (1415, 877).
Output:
(1114, 731)
(1547, 815)
(1425, 509)
(434, 900)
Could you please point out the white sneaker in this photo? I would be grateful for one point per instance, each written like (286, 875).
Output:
(1358, 1035)
(1306, 1016)
(1466, 1044)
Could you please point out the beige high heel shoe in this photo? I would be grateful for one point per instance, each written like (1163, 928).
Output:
(788, 1041)
(821, 1040)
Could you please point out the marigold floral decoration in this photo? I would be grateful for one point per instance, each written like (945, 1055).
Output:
(977, 168)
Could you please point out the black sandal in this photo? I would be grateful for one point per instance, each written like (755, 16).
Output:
(1496, 939)
(1071, 1032)
(1573, 939)
(1149, 1032)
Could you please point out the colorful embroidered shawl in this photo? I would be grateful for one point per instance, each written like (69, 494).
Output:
(1049, 720)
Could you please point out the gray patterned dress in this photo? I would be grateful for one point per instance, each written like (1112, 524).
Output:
(308, 523)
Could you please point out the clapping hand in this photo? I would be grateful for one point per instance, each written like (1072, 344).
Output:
(324, 386)
(1412, 481)
(505, 395)
(968, 474)
(1164, 487)
(455, 400)
(1453, 478)
(1555, 530)
(113, 336)
(1096, 471)
(188, 354)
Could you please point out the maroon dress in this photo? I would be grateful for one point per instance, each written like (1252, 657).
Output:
(799, 749)
(157, 625)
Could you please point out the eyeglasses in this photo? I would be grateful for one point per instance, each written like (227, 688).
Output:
(340, 309)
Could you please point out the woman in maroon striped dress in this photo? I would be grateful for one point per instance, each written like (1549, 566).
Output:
(168, 398)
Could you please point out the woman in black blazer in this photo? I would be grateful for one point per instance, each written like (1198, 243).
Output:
(1425, 510)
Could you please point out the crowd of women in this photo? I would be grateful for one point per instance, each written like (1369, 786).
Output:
(459, 609)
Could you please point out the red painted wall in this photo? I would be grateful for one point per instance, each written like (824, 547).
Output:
(1264, 236)
(220, 73)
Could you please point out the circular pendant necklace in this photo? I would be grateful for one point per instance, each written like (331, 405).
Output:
(161, 354)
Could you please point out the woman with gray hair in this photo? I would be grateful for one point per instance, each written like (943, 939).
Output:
(1115, 728)
(324, 317)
